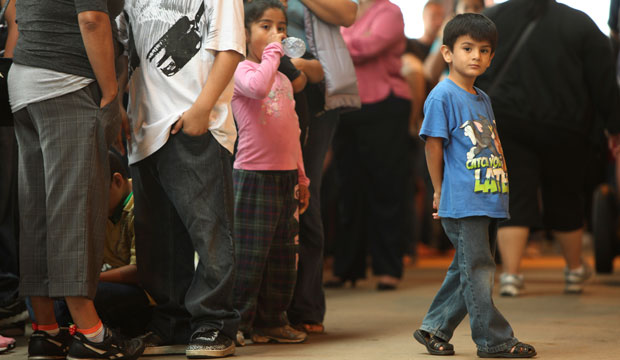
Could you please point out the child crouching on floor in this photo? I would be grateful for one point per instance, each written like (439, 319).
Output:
(270, 184)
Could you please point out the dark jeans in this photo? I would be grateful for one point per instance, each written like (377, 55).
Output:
(120, 306)
(184, 203)
(308, 304)
(9, 217)
(370, 153)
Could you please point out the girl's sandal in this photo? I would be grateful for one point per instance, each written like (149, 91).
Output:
(434, 345)
(520, 350)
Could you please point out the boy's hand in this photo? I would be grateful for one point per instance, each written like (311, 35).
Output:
(304, 198)
(436, 198)
(277, 37)
(193, 122)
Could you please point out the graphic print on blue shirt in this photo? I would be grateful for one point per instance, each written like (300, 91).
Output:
(475, 181)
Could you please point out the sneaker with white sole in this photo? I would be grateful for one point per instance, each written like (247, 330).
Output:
(209, 344)
(43, 346)
(113, 347)
(510, 284)
(575, 279)
(284, 334)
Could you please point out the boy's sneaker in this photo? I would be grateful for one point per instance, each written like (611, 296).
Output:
(574, 279)
(208, 344)
(12, 318)
(283, 334)
(510, 284)
(42, 346)
(112, 347)
(155, 345)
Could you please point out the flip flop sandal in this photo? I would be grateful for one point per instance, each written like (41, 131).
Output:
(520, 350)
(433, 344)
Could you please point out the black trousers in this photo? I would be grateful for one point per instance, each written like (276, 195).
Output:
(370, 153)
(9, 217)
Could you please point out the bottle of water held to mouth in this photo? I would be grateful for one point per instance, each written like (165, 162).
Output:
(294, 47)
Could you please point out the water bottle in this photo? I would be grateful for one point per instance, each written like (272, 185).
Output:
(294, 47)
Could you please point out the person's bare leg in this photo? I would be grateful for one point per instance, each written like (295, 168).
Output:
(82, 311)
(43, 308)
(512, 241)
(571, 242)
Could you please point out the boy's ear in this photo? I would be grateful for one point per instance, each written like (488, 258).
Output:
(446, 53)
(117, 179)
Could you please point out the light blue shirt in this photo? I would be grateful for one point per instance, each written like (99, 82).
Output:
(475, 180)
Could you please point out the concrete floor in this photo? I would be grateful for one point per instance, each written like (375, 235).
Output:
(362, 323)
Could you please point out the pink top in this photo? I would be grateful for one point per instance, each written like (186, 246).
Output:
(376, 42)
(264, 109)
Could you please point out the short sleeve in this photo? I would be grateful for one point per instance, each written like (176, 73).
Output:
(91, 5)
(436, 120)
(225, 25)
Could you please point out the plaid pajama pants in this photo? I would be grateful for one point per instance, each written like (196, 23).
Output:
(266, 246)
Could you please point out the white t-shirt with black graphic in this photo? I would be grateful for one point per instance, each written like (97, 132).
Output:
(171, 46)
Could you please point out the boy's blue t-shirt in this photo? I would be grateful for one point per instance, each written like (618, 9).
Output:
(475, 180)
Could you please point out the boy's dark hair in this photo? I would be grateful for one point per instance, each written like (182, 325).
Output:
(254, 9)
(116, 165)
(477, 26)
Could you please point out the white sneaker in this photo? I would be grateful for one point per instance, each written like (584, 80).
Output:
(574, 279)
(510, 284)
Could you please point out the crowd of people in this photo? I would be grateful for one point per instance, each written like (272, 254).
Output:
(161, 175)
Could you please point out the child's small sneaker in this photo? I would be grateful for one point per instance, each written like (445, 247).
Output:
(283, 334)
(510, 284)
(112, 347)
(6, 344)
(575, 279)
(43, 346)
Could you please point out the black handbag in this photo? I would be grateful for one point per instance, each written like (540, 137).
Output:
(6, 116)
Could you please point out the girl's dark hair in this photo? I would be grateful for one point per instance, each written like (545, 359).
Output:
(478, 26)
(254, 9)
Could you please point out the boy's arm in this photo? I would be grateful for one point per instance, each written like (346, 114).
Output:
(97, 36)
(434, 161)
(127, 274)
(195, 121)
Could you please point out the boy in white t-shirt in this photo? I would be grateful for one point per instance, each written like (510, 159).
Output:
(182, 56)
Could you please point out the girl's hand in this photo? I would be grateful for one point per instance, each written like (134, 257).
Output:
(304, 198)
(277, 37)
(436, 198)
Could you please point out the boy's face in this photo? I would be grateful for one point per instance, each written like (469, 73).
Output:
(469, 58)
(262, 32)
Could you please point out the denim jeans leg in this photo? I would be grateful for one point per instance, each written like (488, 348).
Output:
(474, 239)
(448, 307)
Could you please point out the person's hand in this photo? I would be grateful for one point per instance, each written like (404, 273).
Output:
(277, 37)
(436, 198)
(125, 128)
(613, 141)
(194, 122)
(304, 198)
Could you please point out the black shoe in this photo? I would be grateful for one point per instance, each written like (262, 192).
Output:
(42, 346)
(112, 347)
(338, 283)
(12, 319)
(155, 345)
(209, 344)
(385, 287)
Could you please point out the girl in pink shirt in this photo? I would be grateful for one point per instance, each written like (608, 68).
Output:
(269, 180)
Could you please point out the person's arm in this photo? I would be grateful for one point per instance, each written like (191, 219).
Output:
(336, 12)
(97, 36)
(11, 39)
(434, 161)
(304, 183)
(434, 66)
(127, 274)
(256, 83)
(386, 30)
(297, 77)
(311, 67)
(413, 72)
(195, 121)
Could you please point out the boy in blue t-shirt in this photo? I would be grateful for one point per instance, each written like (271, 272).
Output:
(466, 164)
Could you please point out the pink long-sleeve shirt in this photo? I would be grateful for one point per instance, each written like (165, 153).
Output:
(264, 109)
(376, 42)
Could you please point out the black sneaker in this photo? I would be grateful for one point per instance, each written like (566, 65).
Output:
(209, 344)
(112, 347)
(42, 346)
(155, 345)
(12, 319)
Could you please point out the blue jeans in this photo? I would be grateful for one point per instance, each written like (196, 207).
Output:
(468, 286)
